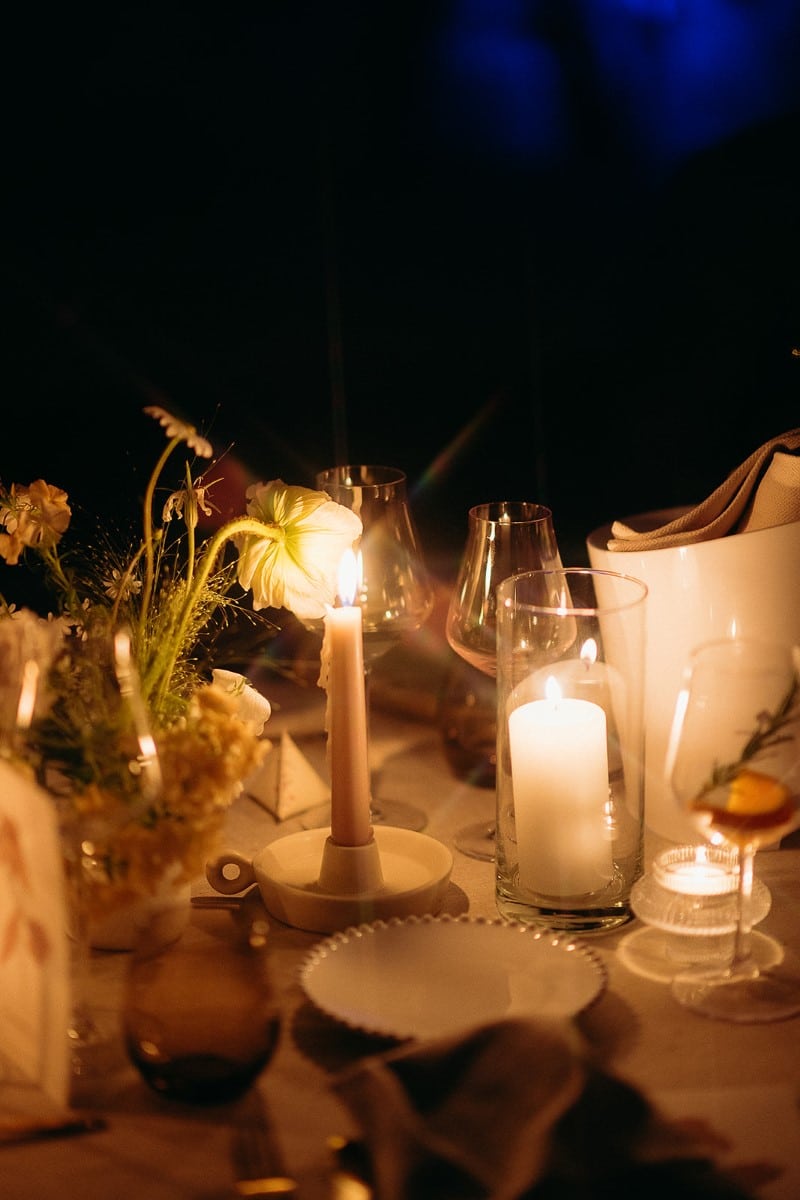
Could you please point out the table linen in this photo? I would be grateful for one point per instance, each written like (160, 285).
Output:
(743, 1080)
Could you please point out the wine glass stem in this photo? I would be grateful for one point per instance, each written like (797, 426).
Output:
(744, 891)
(368, 709)
(82, 1025)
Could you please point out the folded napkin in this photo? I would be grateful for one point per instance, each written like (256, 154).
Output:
(763, 491)
(514, 1109)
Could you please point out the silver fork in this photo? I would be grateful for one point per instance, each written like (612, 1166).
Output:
(257, 1158)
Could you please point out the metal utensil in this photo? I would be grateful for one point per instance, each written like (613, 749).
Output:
(257, 1157)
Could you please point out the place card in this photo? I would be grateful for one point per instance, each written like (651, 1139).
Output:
(286, 783)
(34, 953)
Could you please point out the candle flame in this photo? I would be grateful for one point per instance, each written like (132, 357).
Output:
(348, 578)
(589, 652)
(27, 694)
(551, 690)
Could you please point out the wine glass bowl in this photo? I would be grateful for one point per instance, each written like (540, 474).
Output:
(504, 538)
(199, 1016)
(394, 590)
(733, 763)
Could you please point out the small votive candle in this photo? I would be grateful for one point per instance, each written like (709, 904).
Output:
(697, 870)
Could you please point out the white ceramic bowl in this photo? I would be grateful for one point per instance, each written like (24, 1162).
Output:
(746, 584)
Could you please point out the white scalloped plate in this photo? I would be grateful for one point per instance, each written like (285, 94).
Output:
(431, 976)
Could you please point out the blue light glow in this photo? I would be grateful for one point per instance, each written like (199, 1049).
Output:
(670, 77)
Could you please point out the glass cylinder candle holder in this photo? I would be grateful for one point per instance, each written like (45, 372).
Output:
(570, 747)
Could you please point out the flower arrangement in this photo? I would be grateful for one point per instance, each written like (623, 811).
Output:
(147, 750)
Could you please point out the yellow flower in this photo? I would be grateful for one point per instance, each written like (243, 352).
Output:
(295, 564)
(36, 515)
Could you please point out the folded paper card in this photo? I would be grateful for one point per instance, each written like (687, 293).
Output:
(286, 783)
(762, 492)
(34, 970)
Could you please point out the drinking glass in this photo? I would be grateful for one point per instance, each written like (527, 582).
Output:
(504, 537)
(733, 762)
(394, 589)
(200, 1016)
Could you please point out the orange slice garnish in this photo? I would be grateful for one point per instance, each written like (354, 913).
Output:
(752, 793)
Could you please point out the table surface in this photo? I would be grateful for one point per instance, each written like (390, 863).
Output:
(744, 1079)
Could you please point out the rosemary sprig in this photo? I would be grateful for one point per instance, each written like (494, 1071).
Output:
(766, 736)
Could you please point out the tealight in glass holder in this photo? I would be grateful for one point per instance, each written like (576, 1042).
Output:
(687, 905)
(570, 747)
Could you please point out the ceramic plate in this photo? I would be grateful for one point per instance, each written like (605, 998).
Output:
(431, 976)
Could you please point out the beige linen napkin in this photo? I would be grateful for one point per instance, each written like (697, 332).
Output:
(763, 491)
(513, 1109)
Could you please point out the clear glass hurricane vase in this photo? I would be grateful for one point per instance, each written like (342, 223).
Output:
(395, 591)
(734, 766)
(504, 537)
(120, 723)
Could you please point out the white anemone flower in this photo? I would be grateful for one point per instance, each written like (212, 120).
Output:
(254, 709)
(295, 565)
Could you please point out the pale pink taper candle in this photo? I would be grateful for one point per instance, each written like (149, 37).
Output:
(343, 655)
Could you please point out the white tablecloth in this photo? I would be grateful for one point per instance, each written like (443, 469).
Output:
(744, 1079)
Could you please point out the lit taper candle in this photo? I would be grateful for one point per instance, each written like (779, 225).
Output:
(343, 673)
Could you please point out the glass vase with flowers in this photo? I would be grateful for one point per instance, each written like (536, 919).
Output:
(145, 752)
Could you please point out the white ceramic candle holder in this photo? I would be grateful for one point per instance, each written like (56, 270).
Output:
(309, 882)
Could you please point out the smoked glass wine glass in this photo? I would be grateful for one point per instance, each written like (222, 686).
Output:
(504, 537)
(200, 1015)
(734, 765)
(394, 589)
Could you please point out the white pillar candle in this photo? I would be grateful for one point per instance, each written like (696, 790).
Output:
(559, 771)
(346, 720)
(585, 678)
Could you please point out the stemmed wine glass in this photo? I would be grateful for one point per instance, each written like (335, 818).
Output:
(200, 1015)
(504, 537)
(733, 762)
(394, 589)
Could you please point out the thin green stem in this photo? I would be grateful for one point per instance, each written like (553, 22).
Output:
(147, 522)
(124, 585)
(191, 522)
(160, 672)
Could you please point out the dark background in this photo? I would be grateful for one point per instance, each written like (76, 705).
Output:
(541, 251)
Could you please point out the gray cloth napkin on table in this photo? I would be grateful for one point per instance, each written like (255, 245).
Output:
(763, 491)
(514, 1110)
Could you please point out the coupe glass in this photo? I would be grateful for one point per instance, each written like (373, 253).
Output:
(734, 766)
(504, 537)
(395, 591)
